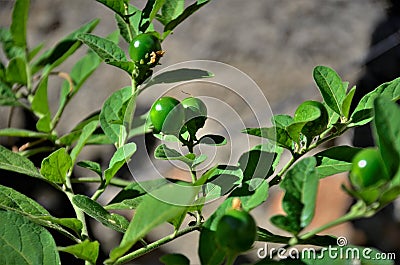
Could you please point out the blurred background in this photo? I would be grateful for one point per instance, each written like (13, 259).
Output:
(276, 42)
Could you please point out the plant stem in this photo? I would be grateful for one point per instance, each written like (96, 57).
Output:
(354, 213)
(155, 244)
(61, 108)
(78, 212)
(327, 139)
(114, 181)
(128, 22)
(231, 259)
(277, 179)
(28, 77)
(98, 192)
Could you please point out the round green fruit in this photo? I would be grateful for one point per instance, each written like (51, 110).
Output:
(236, 231)
(145, 49)
(167, 115)
(367, 169)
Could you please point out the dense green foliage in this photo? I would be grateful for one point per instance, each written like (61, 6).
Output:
(24, 83)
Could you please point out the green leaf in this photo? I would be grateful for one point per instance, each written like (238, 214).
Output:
(276, 134)
(171, 10)
(7, 97)
(34, 51)
(209, 251)
(96, 211)
(113, 112)
(347, 102)
(127, 204)
(305, 114)
(175, 259)
(14, 162)
(15, 132)
(99, 139)
(257, 163)
(140, 126)
(63, 49)
(75, 133)
(178, 75)
(333, 116)
(300, 185)
(363, 255)
(25, 242)
(335, 160)
(93, 166)
(389, 195)
(221, 179)
(19, 21)
(263, 235)
(138, 24)
(16, 71)
(40, 106)
(161, 206)
(56, 166)
(82, 69)
(282, 120)
(212, 139)
(120, 157)
(85, 250)
(198, 160)
(71, 223)
(165, 153)
(363, 113)
(86, 133)
(15, 201)
(149, 12)
(12, 200)
(252, 193)
(184, 15)
(388, 133)
(105, 49)
(118, 6)
(125, 29)
(127, 66)
(331, 87)
(131, 195)
(10, 49)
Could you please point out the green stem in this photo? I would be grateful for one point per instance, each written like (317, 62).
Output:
(277, 179)
(327, 139)
(231, 259)
(28, 77)
(295, 156)
(154, 245)
(78, 212)
(61, 108)
(128, 22)
(58, 114)
(354, 213)
(98, 192)
(193, 174)
(114, 181)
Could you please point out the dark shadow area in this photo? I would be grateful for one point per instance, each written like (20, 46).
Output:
(382, 64)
